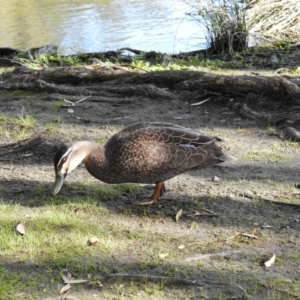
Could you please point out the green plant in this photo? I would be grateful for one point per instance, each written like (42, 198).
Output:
(19, 126)
(22, 133)
(25, 121)
(21, 93)
(4, 119)
(225, 23)
(297, 70)
(8, 283)
(58, 104)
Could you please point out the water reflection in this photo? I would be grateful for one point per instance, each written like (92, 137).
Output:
(93, 26)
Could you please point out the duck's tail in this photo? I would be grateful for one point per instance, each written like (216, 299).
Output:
(227, 157)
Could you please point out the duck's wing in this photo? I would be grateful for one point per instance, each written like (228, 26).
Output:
(194, 143)
(168, 133)
(159, 151)
(178, 135)
(146, 125)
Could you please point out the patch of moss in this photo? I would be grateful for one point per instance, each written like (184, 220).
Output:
(21, 93)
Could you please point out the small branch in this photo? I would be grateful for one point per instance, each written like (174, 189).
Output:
(83, 99)
(233, 236)
(210, 255)
(74, 103)
(246, 195)
(195, 258)
(204, 212)
(246, 294)
(201, 102)
(252, 236)
(151, 278)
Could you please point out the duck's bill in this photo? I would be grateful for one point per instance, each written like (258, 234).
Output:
(59, 181)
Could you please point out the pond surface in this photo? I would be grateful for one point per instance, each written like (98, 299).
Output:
(99, 25)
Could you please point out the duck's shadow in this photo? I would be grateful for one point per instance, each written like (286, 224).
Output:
(217, 211)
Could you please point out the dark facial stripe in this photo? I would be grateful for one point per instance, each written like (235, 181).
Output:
(58, 156)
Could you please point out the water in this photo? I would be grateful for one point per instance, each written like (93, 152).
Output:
(96, 26)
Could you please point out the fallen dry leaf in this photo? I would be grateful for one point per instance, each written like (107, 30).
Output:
(271, 261)
(163, 255)
(216, 179)
(72, 280)
(65, 288)
(20, 228)
(178, 215)
(92, 241)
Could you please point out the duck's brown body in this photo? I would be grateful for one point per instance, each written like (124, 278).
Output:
(144, 153)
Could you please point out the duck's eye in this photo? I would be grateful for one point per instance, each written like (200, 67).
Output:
(62, 161)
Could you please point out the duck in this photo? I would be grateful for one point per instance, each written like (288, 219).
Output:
(145, 152)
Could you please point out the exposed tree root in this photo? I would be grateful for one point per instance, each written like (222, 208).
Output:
(121, 86)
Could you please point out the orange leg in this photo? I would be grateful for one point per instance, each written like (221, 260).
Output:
(159, 191)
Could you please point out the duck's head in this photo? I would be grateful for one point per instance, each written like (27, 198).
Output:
(66, 159)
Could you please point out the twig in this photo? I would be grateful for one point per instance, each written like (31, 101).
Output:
(80, 100)
(246, 294)
(71, 102)
(268, 200)
(233, 236)
(209, 211)
(241, 234)
(209, 255)
(151, 278)
(249, 235)
(83, 99)
(195, 258)
(205, 212)
(201, 102)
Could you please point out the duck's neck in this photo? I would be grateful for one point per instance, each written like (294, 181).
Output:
(91, 150)
(95, 160)
(88, 147)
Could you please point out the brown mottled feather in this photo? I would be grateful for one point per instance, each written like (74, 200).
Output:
(152, 152)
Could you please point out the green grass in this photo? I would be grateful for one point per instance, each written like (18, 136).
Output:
(21, 93)
(25, 121)
(267, 156)
(273, 152)
(52, 128)
(58, 104)
(9, 282)
(138, 62)
(56, 242)
(20, 126)
(56, 239)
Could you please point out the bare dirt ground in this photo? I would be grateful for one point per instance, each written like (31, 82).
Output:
(255, 202)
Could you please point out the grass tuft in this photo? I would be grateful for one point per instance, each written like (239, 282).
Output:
(21, 126)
